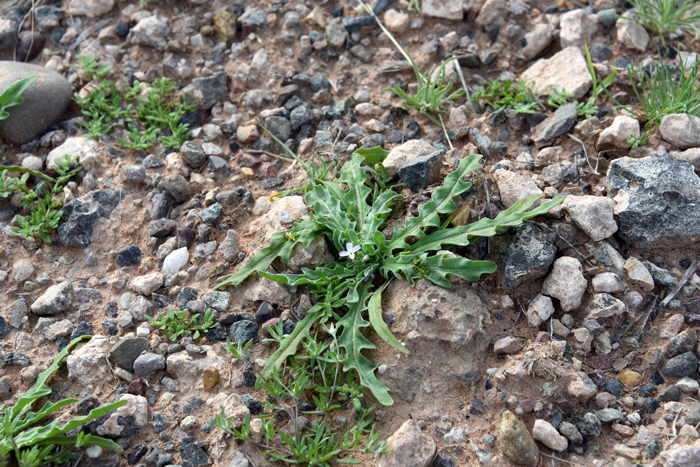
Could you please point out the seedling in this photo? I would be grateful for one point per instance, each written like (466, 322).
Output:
(174, 325)
(25, 437)
(499, 94)
(12, 95)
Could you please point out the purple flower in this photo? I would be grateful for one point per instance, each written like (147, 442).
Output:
(350, 250)
(367, 277)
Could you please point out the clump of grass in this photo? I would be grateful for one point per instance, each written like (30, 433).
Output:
(155, 116)
(662, 17)
(174, 325)
(507, 94)
(663, 89)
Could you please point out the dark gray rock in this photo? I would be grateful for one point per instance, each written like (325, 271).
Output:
(148, 363)
(301, 116)
(482, 141)
(599, 52)
(176, 186)
(159, 422)
(421, 171)
(186, 295)
(563, 119)
(210, 214)
(654, 448)
(353, 23)
(256, 18)
(44, 101)
(254, 405)
(129, 255)
(589, 425)
(161, 227)
(670, 394)
(192, 154)
(658, 201)
(160, 205)
(244, 331)
(16, 359)
(4, 328)
(362, 53)
(319, 82)
(15, 312)
(217, 300)
(83, 212)
(205, 92)
(693, 417)
(8, 33)
(29, 45)
(683, 365)
(193, 454)
(157, 458)
(528, 255)
(83, 329)
(127, 350)
(280, 127)
(681, 343)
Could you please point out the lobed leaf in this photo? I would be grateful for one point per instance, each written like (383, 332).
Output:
(358, 191)
(375, 318)
(441, 265)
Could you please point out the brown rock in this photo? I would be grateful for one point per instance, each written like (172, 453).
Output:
(516, 442)
(210, 378)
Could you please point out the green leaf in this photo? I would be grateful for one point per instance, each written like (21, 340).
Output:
(358, 191)
(12, 95)
(375, 217)
(440, 266)
(372, 156)
(354, 342)
(288, 346)
(375, 318)
(440, 203)
(328, 210)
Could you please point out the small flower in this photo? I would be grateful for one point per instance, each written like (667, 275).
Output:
(367, 277)
(350, 250)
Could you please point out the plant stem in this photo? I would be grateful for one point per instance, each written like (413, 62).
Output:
(15, 168)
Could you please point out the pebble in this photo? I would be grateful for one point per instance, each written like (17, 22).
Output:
(685, 364)
(589, 425)
(566, 282)
(639, 274)
(516, 442)
(548, 435)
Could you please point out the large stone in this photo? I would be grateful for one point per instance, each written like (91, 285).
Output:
(615, 136)
(513, 186)
(632, 34)
(528, 255)
(681, 130)
(205, 92)
(265, 290)
(492, 12)
(147, 284)
(593, 214)
(152, 31)
(516, 442)
(655, 201)
(404, 153)
(127, 350)
(273, 213)
(577, 27)
(56, 299)
(188, 370)
(409, 448)
(44, 101)
(83, 151)
(566, 282)
(446, 9)
(136, 409)
(440, 327)
(90, 8)
(87, 364)
(565, 70)
(83, 212)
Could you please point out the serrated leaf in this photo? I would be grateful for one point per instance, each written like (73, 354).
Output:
(358, 191)
(440, 266)
(328, 210)
(375, 318)
(372, 156)
(376, 216)
(440, 203)
(354, 343)
(289, 344)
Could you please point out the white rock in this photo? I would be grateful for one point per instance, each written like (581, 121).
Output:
(604, 305)
(539, 310)
(583, 338)
(632, 34)
(175, 260)
(577, 27)
(455, 436)
(94, 451)
(22, 270)
(151, 31)
(513, 186)
(545, 433)
(593, 214)
(638, 273)
(188, 370)
(566, 69)
(688, 385)
(409, 448)
(396, 21)
(602, 343)
(607, 282)
(87, 364)
(688, 431)
(84, 148)
(146, 285)
(90, 8)
(269, 223)
(136, 407)
(615, 136)
(537, 40)
(644, 436)
(566, 282)
(446, 9)
(404, 153)
(492, 12)
(582, 386)
(681, 130)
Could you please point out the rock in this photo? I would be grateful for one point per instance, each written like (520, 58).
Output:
(15, 312)
(566, 69)
(682, 343)
(691, 156)
(409, 447)
(160, 205)
(679, 130)
(539, 310)
(205, 92)
(90, 8)
(402, 154)
(83, 212)
(513, 186)
(508, 345)
(396, 21)
(148, 363)
(193, 455)
(577, 27)
(605, 306)
(492, 13)
(670, 394)
(421, 171)
(683, 365)
(570, 431)
(537, 40)
(176, 186)
(217, 300)
(589, 425)
(312, 257)
(157, 458)
(608, 282)
(210, 378)
(516, 442)
(127, 350)
(566, 282)
(146, 285)
(81, 150)
(629, 378)
(548, 435)
(528, 255)
(128, 256)
(188, 370)
(29, 45)
(632, 34)
(336, 34)
(446, 9)
(582, 386)
(660, 213)
(210, 214)
(559, 123)
(22, 270)
(593, 214)
(192, 154)
(151, 31)
(56, 299)
(44, 101)
(8, 33)
(482, 141)
(244, 331)
(230, 247)
(300, 116)
(639, 274)
(87, 364)
(683, 456)
(161, 228)
(615, 136)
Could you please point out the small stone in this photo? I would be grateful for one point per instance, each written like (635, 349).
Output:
(683, 365)
(566, 282)
(589, 425)
(638, 273)
(210, 378)
(516, 442)
(539, 310)
(629, 378)
(632, 34)
(128, 256)
(56, 299)
(593, 214)
(570, 431)
(548, 435)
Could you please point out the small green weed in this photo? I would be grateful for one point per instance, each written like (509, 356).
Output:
(26, 440)
(638, 142)
(12, 95)
(316, 372)
(414, 6)
(499, 94)
(148, 118)
(663, 90)
(41, 201)
(662, 17)
(590, 107)
(351, 212)
(175, 324)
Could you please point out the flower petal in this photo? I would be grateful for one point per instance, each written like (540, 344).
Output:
(348, 246)
(344, 253)
(356, 248)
